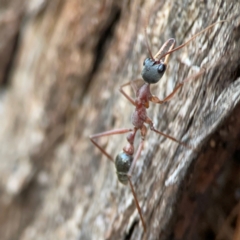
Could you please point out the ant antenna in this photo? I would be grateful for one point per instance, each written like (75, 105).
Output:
(167, 46)
(147, 43)
(194, 36)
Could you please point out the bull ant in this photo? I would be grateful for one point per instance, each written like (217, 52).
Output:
(154, 68)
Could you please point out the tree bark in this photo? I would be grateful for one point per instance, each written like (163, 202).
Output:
(66, 68)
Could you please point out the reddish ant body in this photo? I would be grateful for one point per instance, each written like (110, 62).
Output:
(153, 70)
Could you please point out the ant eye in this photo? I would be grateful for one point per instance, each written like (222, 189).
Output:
(161, 68)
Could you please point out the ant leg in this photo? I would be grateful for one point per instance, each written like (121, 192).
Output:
(136, 157)
(107, 133)
(149, 121)
(131, 185)
(155, 99)
(134, 86)
(130, 99)
(137, 204)
(140, 148)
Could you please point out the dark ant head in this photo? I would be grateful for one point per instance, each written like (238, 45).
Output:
(152, 70)
(123, 163)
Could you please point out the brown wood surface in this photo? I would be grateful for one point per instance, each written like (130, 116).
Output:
(64, 63)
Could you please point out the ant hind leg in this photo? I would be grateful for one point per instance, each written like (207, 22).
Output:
(131, 185)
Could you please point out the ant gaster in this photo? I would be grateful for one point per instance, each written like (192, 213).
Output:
(153, 70)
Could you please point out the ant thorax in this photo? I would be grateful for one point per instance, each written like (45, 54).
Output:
(143, 96)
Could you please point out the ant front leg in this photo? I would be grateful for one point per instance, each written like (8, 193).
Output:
(155, 99)
(108, 133)
(134, 85)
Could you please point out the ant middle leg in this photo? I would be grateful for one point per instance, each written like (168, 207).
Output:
(150, 123)
(108, 133)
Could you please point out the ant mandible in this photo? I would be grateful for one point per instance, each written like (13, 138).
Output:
(153, 70)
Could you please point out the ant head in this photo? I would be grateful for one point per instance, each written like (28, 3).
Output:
(154, 67)
(153, 70)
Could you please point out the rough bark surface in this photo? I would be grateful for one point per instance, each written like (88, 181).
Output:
(64, 64)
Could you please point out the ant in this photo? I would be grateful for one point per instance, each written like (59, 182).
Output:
(153, 70)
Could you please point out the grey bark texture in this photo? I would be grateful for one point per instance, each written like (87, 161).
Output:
(64, 63)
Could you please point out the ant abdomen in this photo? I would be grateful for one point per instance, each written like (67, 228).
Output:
(152, 70)
(123, 163)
